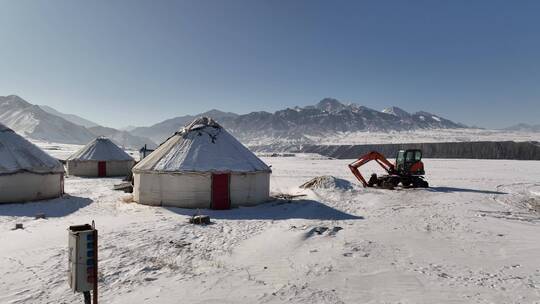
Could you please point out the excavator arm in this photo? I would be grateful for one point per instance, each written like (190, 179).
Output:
(373, 155)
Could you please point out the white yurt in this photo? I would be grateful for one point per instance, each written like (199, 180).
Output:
(201, 166)
(100, 158)
(27, 173)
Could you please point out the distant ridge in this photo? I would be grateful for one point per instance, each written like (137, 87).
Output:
(161, 131)
(70, 117)
(47, 124)
(523, 127)
(329, 116)
(298, 125)
(33, 122)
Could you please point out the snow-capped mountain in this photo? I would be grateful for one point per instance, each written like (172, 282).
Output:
(70, 117)
(33, 122)
(298, 124)
(123, 138)
(330, 105)
(120, 137)
(161, 131)
(328, 118)
(292, 125)
(397, 112)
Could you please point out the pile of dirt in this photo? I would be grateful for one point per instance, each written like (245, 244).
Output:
(533, 204)
(534, 201)
(327, 182)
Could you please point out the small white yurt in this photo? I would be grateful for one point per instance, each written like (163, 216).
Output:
(201, 166)
(100, 158)
(27, 173)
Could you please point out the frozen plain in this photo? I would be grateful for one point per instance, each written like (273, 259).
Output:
(471, 238)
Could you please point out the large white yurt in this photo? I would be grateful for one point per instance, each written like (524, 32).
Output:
(100, 158)
(201, 166)
(27, 173)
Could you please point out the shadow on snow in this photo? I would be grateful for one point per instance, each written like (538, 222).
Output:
(451, 189)
(57, 207)
(274, 210)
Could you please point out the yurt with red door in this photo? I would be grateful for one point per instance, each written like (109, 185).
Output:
(27, 173)
(201, 166)
(100, 158)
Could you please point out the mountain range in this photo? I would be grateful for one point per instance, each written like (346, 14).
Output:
(70, 117)
(161, 131)
(47, 124)
(33, 122)
(298, 124)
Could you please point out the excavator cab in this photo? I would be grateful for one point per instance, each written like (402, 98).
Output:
(409, 162)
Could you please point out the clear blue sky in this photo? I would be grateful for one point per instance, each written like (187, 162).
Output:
(139, 62)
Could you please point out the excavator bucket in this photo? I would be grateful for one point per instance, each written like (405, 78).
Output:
(373, 155)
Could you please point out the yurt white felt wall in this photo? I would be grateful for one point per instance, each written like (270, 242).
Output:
(100, 158)
(201, 166)
(27, 173)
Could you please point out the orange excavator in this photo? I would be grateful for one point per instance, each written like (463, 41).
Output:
(408, 170)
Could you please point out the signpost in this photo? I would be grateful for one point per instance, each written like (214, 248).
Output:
(83, 261)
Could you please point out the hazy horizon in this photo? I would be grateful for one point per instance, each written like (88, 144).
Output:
(136, 63)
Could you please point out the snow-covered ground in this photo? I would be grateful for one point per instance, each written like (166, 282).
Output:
(471, 238)
(425, 136)
(391, 137)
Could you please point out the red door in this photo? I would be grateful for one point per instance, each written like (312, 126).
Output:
(220, 191)
(102, 169)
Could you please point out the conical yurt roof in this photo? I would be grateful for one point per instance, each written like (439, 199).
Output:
(19, 155)
(201, 146)
(100, 149)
